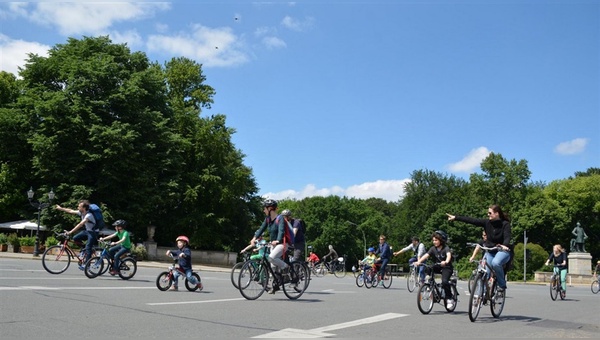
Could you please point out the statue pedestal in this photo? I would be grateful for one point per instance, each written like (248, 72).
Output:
(151, 249)
(580, 263)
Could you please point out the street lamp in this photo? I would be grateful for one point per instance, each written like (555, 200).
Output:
(39, 206)
(364, 238)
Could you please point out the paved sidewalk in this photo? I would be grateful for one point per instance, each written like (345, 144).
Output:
(155, 264)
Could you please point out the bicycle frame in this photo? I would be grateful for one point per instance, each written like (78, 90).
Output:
(432, 292)
(54, 259)
(485, 288)
(556, 284)
(165, 279)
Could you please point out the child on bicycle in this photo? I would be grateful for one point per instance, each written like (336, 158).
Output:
(122, 246)
(312, 259)
(259, 248)
(369, 260)
(184, 255)
(442, 256)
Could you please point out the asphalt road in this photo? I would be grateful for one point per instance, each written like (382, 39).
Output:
(36, 304)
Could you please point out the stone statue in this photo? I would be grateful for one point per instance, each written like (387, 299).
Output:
(577, 243)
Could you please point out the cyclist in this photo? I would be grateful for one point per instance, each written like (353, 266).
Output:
(419, 250)
(122, 246)
(312, 258)
(259, 248)
(276, 230)
(369, 260)
(559, 259)
(384, 256)
(441, 254)
(88, 233)
(184, 253)
(498, 230)
(333, 256)
(597, 271)
(478, 247)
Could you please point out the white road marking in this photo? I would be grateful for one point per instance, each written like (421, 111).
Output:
(321, 332)
(70, 288)
(192, 302)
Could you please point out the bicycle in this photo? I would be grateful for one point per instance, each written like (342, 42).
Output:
(337, 268)
(316, 269)
(235, 271)
(386, 280)
(57, 258)
(412, 280)
(485, 288)
(556, 285)
(595, 285)
(165, 279)
(98, 265)
(364, 275)
(256, 274)
(431, 292)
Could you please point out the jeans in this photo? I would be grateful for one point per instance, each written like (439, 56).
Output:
(383, 263)
(188, 273)
(115, 253)
(92, 240)
(497, 261)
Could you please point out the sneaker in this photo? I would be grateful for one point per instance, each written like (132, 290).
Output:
(81, 267)
(450, 304)
(173, 288)
(113, 272)
(200, 286)
(275, 288)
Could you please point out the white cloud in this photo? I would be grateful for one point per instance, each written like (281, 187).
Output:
(471, 161)
(273, 42)
(132, 38)
(389, 190)
(209, 46)
(572, 147)
(297, 25)
(14, 53)
(85, 17)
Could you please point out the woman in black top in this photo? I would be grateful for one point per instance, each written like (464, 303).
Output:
(559, 259)
(498, 230)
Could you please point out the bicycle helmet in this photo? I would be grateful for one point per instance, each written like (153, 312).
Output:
(286, 212)
(371, 250)
(441, 235)
(120, 223)
(183, 238)
(270, 203)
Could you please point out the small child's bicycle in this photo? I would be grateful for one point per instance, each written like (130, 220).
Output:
(165, 279)
(432, 292)
(98, 265)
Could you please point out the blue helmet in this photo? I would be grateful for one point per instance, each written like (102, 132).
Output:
(371, 250)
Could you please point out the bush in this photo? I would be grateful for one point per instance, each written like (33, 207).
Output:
(51, 241)
(3, 238)
(139, 252)
(13, 240)
(538, 258)
(27, 240)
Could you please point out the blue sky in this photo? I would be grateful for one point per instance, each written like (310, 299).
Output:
(350, 97)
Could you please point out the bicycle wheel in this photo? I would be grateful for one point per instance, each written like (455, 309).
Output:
(425, 298)
(253, 279)
(368, 278)
(339, 270)
(93, 267)
(476, 298)
(387, 278)
(454, 298)
(191, 287)
(56, 259)
(411, 280)
(553, 287)
(320, 270)
(235, 274)
(497, 301)
(127, 268)
(472, 281)
(360, 280)
(297, 283)
(595, 287)
(164, 281)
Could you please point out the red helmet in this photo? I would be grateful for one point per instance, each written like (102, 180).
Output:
(183, 238)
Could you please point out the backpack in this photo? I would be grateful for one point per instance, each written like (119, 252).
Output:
(288, 236)
(97, 213)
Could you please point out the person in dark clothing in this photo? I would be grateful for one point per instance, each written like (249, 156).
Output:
(299, 241)
(184, 255)
(498, 230)
(385, 254)
(441, 254)
(559, 260)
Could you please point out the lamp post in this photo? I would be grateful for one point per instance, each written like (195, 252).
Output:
(364, 238)
(39, 206)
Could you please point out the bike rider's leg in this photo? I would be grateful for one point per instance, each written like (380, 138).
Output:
(191, 279)
(563, 279)
(116, 252)
(446, 274)
(298, 252)
(275, 260)
(497, 262)
(92, 240)
(176, 274)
